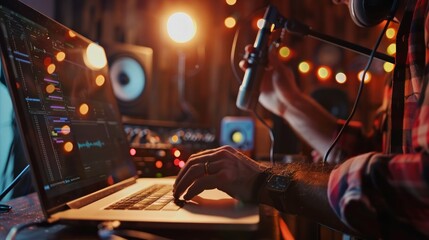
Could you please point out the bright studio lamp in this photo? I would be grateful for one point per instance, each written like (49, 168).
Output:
(181, 28)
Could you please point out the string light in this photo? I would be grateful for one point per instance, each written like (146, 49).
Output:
(368, 76)
(391, 49)
(388, 67)
(230, 22)
(323, 73)
(260, 23)
(304, 67)
(390, 33)
(340, 78)
(284, 52)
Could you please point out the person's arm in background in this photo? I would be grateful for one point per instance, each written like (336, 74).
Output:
(310, 121)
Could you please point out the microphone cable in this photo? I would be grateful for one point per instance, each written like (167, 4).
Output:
(359, 93)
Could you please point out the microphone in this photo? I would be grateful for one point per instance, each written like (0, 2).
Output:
(248, 92)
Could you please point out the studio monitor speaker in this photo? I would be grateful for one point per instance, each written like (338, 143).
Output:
(238, 132)
(131, 77)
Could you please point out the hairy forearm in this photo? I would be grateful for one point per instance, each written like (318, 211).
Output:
(306, 195)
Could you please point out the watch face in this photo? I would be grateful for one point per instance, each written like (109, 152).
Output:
(278, 183)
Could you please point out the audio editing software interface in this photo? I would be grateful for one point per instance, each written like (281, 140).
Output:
(68, 100)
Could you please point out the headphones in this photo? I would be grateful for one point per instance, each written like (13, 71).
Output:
(368, 13)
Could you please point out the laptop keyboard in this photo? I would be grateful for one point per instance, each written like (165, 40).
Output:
(155, 197)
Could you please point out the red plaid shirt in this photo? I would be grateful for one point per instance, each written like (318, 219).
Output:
(393, 188)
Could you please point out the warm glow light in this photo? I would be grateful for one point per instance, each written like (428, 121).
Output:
(95, 57)
(367, 76)
(230, 22)
(100, 80)
(133, 151)
(158, 164)
(304, 67)
(323, 73)
(175, 138)
(84, 109)
(65, 130)
(340, 77)
(50, 88)
(260, 23)
(391, 49)
(181, 27)
(72, 34)
(388, 67)
(60, 56)
(51, 68)
(231, 2)
(68, 146)
(284, 52)
(390, 33)
(181, 164)
(176, 153)
(176, 162)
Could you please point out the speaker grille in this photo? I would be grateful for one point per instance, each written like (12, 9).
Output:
(131, 77)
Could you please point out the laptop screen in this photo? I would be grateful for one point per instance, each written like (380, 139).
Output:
(69, 119)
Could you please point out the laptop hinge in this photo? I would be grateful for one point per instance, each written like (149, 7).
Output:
(90, 198)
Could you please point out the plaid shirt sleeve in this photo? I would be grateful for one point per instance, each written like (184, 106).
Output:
(391, 191)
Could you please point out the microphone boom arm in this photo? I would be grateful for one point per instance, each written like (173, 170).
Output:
(296, 27)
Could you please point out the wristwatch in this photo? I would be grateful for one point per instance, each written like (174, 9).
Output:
(278, 183)
(271, 188)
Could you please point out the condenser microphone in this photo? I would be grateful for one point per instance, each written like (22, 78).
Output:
(248, 92)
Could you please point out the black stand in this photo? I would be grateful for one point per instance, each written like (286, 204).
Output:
(4, 207)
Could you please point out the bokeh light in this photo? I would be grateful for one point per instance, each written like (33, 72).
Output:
(181, 27)
(304, 67)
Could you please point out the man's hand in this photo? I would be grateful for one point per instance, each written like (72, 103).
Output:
(224, 168)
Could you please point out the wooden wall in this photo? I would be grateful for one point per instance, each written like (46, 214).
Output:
(211, 87)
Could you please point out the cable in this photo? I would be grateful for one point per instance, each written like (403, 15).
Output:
(13, 232)
(109, 231)
(271, 133)
(14, 182)
(232, 57)
(361, 85)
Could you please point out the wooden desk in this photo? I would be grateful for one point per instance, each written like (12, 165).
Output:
(27, 209)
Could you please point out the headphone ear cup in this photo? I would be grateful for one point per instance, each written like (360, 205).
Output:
(368, 13)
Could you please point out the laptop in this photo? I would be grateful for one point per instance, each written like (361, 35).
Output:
(73, 136)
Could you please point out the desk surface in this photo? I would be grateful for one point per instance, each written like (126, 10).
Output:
(27, 209)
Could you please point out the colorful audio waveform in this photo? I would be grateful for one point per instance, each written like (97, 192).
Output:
(89, 144)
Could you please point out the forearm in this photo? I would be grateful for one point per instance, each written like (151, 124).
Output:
(306, 195)
(312, 123)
